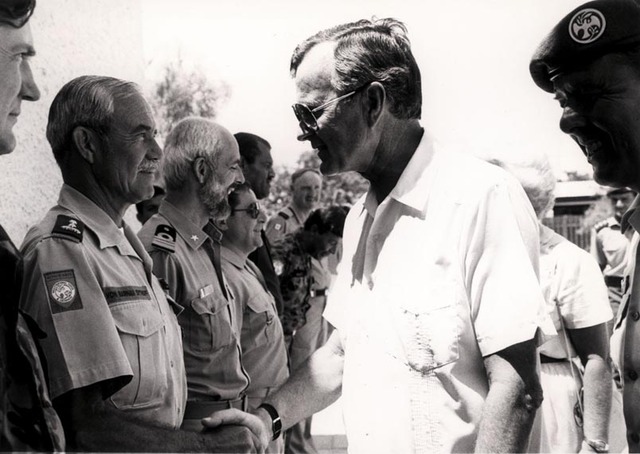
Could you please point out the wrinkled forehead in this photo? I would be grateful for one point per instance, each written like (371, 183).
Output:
(132, 108)
(315, 73)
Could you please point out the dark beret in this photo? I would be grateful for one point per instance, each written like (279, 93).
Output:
(588, 32)
(619, 191)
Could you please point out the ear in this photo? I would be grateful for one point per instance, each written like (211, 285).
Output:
(374, 98)
(200, 169)
(86, 142)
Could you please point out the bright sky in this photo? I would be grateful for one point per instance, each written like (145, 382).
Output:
(473, 54)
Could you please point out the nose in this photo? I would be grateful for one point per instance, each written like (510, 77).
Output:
(570, 120)
(306, 135)
(155, 151)
(271, 174)
(239, 176)
(29, 89)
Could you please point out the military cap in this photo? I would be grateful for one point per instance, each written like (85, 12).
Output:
(619, 191)
(588, 32)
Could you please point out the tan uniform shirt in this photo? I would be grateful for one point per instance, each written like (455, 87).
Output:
(286, 221)
(263, 351)
(90, 288)
(211, 333)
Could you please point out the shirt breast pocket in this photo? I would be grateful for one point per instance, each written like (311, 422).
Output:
(261, 321)
(429, 333)
(209, 324)
(139, 325)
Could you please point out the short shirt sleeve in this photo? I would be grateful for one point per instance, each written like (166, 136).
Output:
(62, 294)
(501, 263)
(582, 294)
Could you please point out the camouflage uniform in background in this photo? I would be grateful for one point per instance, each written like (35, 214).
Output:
(28, 421)
(293, 267)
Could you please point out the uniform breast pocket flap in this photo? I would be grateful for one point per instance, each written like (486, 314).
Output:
(139, 325)
(209, 323)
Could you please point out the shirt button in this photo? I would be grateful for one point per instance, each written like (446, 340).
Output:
(635, 315)
(632, 374)
(171, 363)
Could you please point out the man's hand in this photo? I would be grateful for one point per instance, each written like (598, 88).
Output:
(259, 424)
(233, 438)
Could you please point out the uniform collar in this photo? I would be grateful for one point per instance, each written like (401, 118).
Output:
(631, 217)
(192, 234)
(94, 217)
(295, 214)
(232, 257)
(412, 186)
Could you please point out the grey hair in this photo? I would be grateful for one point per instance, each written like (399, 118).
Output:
(86, 101)
(536, 177)
(190, 138)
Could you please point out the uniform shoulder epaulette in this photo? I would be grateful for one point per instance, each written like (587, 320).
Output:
(283, 215)
(69, 228)
(165, 238)
(601, 225)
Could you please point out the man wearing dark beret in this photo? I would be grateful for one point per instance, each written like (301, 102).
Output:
(591, 62)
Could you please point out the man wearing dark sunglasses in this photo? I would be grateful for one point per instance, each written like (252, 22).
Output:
(201, 167)
(257, 168)
(436, 301)
(264, 355)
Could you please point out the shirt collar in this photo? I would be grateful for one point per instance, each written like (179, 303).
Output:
(631, 217)
(232, 257)
(94, 217)
(192, 234)
(412, 186)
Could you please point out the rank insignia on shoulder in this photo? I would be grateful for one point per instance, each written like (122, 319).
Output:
(165, 238)
(69, 228)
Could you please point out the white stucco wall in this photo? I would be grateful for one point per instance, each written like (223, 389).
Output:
(72, 38)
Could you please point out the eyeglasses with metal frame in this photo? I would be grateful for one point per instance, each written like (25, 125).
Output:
(305, 115)
(252, 210)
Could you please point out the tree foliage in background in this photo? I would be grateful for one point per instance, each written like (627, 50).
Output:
(184, 92)
(341, 189)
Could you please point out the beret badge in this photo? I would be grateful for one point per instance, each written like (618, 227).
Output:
(587, 25)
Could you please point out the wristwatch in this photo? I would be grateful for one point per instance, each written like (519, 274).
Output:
(597, 445)
(276, 423)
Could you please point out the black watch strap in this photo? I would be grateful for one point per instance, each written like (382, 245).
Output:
(276, 423)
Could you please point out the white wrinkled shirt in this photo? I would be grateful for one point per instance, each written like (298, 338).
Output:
(447, 280)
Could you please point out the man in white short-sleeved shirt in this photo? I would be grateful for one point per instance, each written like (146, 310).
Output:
(437, 301)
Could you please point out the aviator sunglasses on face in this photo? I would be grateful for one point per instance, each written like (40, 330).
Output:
(252, 210)
(305, 115)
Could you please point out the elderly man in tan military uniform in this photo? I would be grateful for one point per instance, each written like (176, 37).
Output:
(306, 187)
(111, 340)
(201, 164)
